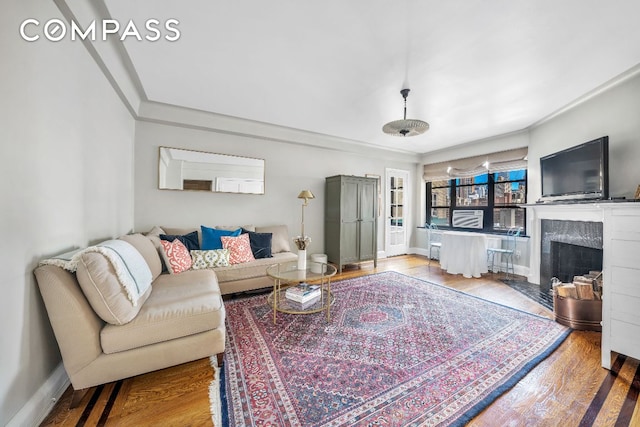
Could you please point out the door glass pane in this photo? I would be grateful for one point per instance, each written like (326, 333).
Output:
(397, 212)
(396, 229)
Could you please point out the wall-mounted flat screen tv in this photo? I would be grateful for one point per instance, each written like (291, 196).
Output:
(577, 173)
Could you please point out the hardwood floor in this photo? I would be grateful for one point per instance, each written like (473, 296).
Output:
(569, 388)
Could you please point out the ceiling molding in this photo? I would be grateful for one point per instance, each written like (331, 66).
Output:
(115, 63)
(172, 115)
(110, 55)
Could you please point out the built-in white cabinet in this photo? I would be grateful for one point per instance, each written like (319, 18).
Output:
(620, 266)
(621, 281)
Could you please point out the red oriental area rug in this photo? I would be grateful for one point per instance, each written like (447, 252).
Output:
(398, 351)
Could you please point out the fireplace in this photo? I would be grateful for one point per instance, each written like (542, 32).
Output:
(617, 232)
(569, 248)
(569, 260)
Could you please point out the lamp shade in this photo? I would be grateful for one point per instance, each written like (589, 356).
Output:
(405, 127)
(306, 195)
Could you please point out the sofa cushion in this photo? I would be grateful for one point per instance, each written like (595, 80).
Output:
(209, 259)
(211, 237)
(176, 256)
(252, 269)
(239, 248)
(103, 290)
(180, 305)
(280, 239)
(179, 230)
(190, 240)
(154, 236)
(147, 249)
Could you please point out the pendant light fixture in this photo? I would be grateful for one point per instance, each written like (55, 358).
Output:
(404, 127)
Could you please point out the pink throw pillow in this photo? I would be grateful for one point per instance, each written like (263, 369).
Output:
(176, 256)
(239, 248)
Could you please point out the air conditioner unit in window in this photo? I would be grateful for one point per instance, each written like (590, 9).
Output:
(467, 219)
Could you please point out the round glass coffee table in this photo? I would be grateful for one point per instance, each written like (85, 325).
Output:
(286, 275)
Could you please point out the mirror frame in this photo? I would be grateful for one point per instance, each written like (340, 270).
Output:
(212, 172)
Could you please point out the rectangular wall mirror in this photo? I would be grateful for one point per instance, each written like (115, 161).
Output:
(180, 169)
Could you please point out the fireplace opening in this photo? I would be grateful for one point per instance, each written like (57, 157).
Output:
(569, 260)
(581, 236)
(576, 301)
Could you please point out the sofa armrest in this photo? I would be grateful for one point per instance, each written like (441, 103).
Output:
(75, 324)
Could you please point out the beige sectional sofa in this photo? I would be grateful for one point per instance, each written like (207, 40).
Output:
(105, 336)
(246, 276)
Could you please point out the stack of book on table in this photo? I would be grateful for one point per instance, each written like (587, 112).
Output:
(304, 295)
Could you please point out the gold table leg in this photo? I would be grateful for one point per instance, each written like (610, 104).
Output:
(276, 291)
(329, 300)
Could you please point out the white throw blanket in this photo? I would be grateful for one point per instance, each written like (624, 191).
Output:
(131, 269)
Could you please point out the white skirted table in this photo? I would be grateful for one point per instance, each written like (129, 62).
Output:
(465, 253)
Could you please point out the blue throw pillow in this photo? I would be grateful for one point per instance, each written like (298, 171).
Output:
(211, 237)
(189, 240)
(260, 244)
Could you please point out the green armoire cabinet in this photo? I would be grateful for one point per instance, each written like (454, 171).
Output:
(351, 220)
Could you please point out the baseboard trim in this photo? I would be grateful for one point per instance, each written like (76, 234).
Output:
(42, 402)
(419, 251)
(519, 270)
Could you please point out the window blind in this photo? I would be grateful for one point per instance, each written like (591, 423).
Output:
(500, 161)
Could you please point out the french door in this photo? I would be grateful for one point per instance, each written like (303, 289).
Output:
(397, 209)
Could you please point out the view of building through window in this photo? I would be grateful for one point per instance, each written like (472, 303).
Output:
(498, 194)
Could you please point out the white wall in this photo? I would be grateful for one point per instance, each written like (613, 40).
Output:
(66, 149)
(290, 168)
(615, 113)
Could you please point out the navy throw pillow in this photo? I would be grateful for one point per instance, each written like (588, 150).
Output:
(260, 244)
(189, 240)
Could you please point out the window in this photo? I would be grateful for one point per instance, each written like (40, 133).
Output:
(498, 195)
(510, 190)
(440, 202)
(472, 191)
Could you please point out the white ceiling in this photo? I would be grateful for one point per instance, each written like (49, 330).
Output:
(476, 68)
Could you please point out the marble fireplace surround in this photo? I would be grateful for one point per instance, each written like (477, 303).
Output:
(586, 230)
(569, 248)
